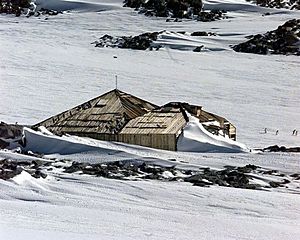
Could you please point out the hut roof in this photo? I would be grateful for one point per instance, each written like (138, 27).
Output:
(164, 120)
(105, 114)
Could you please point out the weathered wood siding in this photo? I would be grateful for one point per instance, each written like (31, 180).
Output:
(160, 141)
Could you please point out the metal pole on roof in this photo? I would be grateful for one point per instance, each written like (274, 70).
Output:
(116, 82)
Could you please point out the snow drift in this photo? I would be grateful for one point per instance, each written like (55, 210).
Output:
(195, 138)
(79, 6)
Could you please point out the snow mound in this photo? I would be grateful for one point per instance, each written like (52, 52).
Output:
(41, 142)
(184, 42)
(195, 138)
(76, 5)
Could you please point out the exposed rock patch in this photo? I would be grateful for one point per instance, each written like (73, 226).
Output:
(288, 4)
(140, 42)
(284, 40)
(24, 7)
(230, 176)
(276, 148)
(153, 40)
(10, 169)
(16, 7)
(190, 9)
(10, 131)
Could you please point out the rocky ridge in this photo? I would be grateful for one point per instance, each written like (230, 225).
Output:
(284, 40)
(189, 9)
(145, 41)
(288, 4)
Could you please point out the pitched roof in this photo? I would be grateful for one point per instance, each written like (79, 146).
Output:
(106, 114)
(164, 120)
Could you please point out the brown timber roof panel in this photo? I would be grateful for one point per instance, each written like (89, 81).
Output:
(156, 122)
(105, 114)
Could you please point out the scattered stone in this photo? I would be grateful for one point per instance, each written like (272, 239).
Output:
(283, 40)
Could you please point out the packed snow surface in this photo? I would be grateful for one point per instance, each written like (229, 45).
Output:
(48, 65)
(195, 138)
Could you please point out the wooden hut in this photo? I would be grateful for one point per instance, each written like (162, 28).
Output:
(161, 127)
(118, 116)
(101, 118)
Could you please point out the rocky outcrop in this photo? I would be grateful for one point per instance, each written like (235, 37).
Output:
(14, 6)
(284, 40)
(288, 4)
(140, 42)
(25, 7)
(209, 16)
(191, 9)
(166, 8)
(10, 131)
(10, 169)
(202, 34)
(276, 148)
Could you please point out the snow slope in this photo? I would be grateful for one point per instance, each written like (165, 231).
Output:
(252, 91)
(73, 206)
(49, 65)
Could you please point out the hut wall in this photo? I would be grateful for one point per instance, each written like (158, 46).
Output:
(98, 136)
(160, 141)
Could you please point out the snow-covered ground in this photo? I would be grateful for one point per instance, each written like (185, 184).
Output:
(47, 66)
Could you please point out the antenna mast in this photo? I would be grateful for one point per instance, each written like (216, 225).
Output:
(116, 82)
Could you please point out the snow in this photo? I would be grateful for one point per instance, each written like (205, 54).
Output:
(195, 138)
(81, 207)
(48, 66)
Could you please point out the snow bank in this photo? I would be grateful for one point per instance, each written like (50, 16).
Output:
(195, 138)
(82, 6)
(48, 144)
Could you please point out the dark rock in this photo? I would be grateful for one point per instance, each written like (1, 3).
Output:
(166, 8)
(140, 42)
(3, 144)
(39, 174)
(198, 49)
(202, 33)
(276, 148)
(288, 4)
(9, 169)
(283, 40)
(213, 15)
(10, 131)
(275, 184)
(247, 169)
(15, 7)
